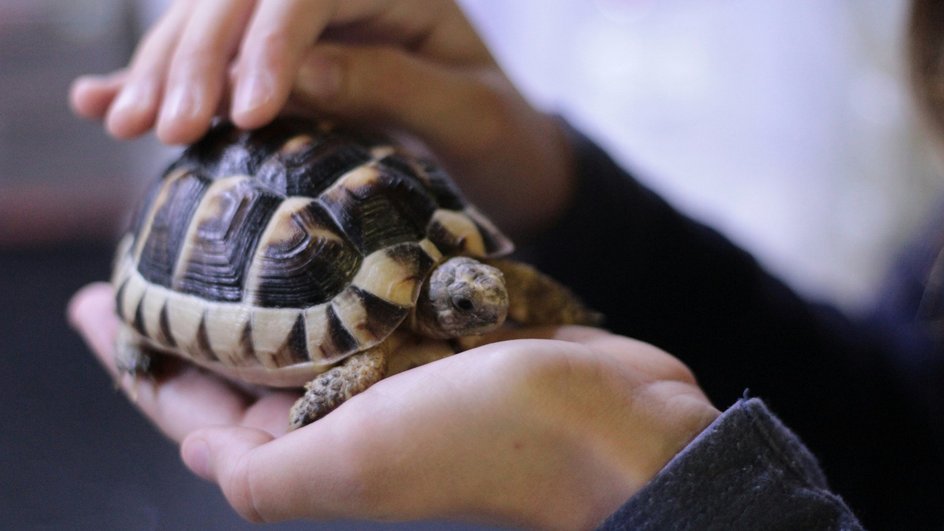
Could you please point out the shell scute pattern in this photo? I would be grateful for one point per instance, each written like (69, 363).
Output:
(168, 220)
(221, 238)
(302, 260)
(293, 246)
(306, 166)
(376, 207)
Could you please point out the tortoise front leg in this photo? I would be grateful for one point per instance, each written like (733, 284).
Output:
(535, 299)
(330, 389)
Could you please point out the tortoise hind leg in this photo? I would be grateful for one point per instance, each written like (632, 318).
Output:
(536, 299)
(136, 359)
(330, 389)
(131, 357)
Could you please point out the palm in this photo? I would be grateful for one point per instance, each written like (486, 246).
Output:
(583, 419)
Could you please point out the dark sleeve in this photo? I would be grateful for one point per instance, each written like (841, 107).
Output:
(745, 471)
(663, 278)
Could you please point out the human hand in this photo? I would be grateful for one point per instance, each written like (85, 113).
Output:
(410, 65)
(179, 74)
(552, 433)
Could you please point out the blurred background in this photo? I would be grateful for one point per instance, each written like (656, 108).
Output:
(786, 124)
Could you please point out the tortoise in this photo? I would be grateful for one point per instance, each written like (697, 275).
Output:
(307, 254)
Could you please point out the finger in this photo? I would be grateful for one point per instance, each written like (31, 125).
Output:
(457, 113)
(90, 96)
(189, 400)
(197, 72)
(221, 455)
(571, 333)
(92, 313)
(134, 109)
(439, 31)
(279, 33)
(631, 354)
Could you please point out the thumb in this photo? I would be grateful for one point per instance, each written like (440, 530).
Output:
(457, 111)
(223, 455)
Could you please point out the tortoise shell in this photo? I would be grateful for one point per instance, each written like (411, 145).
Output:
(289, 248)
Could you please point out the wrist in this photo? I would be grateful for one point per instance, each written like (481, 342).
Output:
(622, 429)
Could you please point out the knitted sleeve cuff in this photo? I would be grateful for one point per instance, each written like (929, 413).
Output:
(745, 470)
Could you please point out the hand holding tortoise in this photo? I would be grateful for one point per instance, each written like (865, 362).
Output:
(554, 432)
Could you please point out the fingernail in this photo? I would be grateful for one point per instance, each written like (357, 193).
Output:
(253, 92)
(181, 102)
(131, 97)
(196, 455)
(319, 78)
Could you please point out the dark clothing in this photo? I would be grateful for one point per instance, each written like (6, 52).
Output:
(745, 471)
(858, 392)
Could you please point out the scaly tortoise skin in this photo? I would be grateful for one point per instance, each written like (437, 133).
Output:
(305, 254)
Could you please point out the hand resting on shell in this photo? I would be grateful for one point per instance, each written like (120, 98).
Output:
(412, 66)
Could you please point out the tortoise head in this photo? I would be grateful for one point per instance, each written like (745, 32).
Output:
(462, 297)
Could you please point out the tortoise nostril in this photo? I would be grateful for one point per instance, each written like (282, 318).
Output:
(463, 304)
